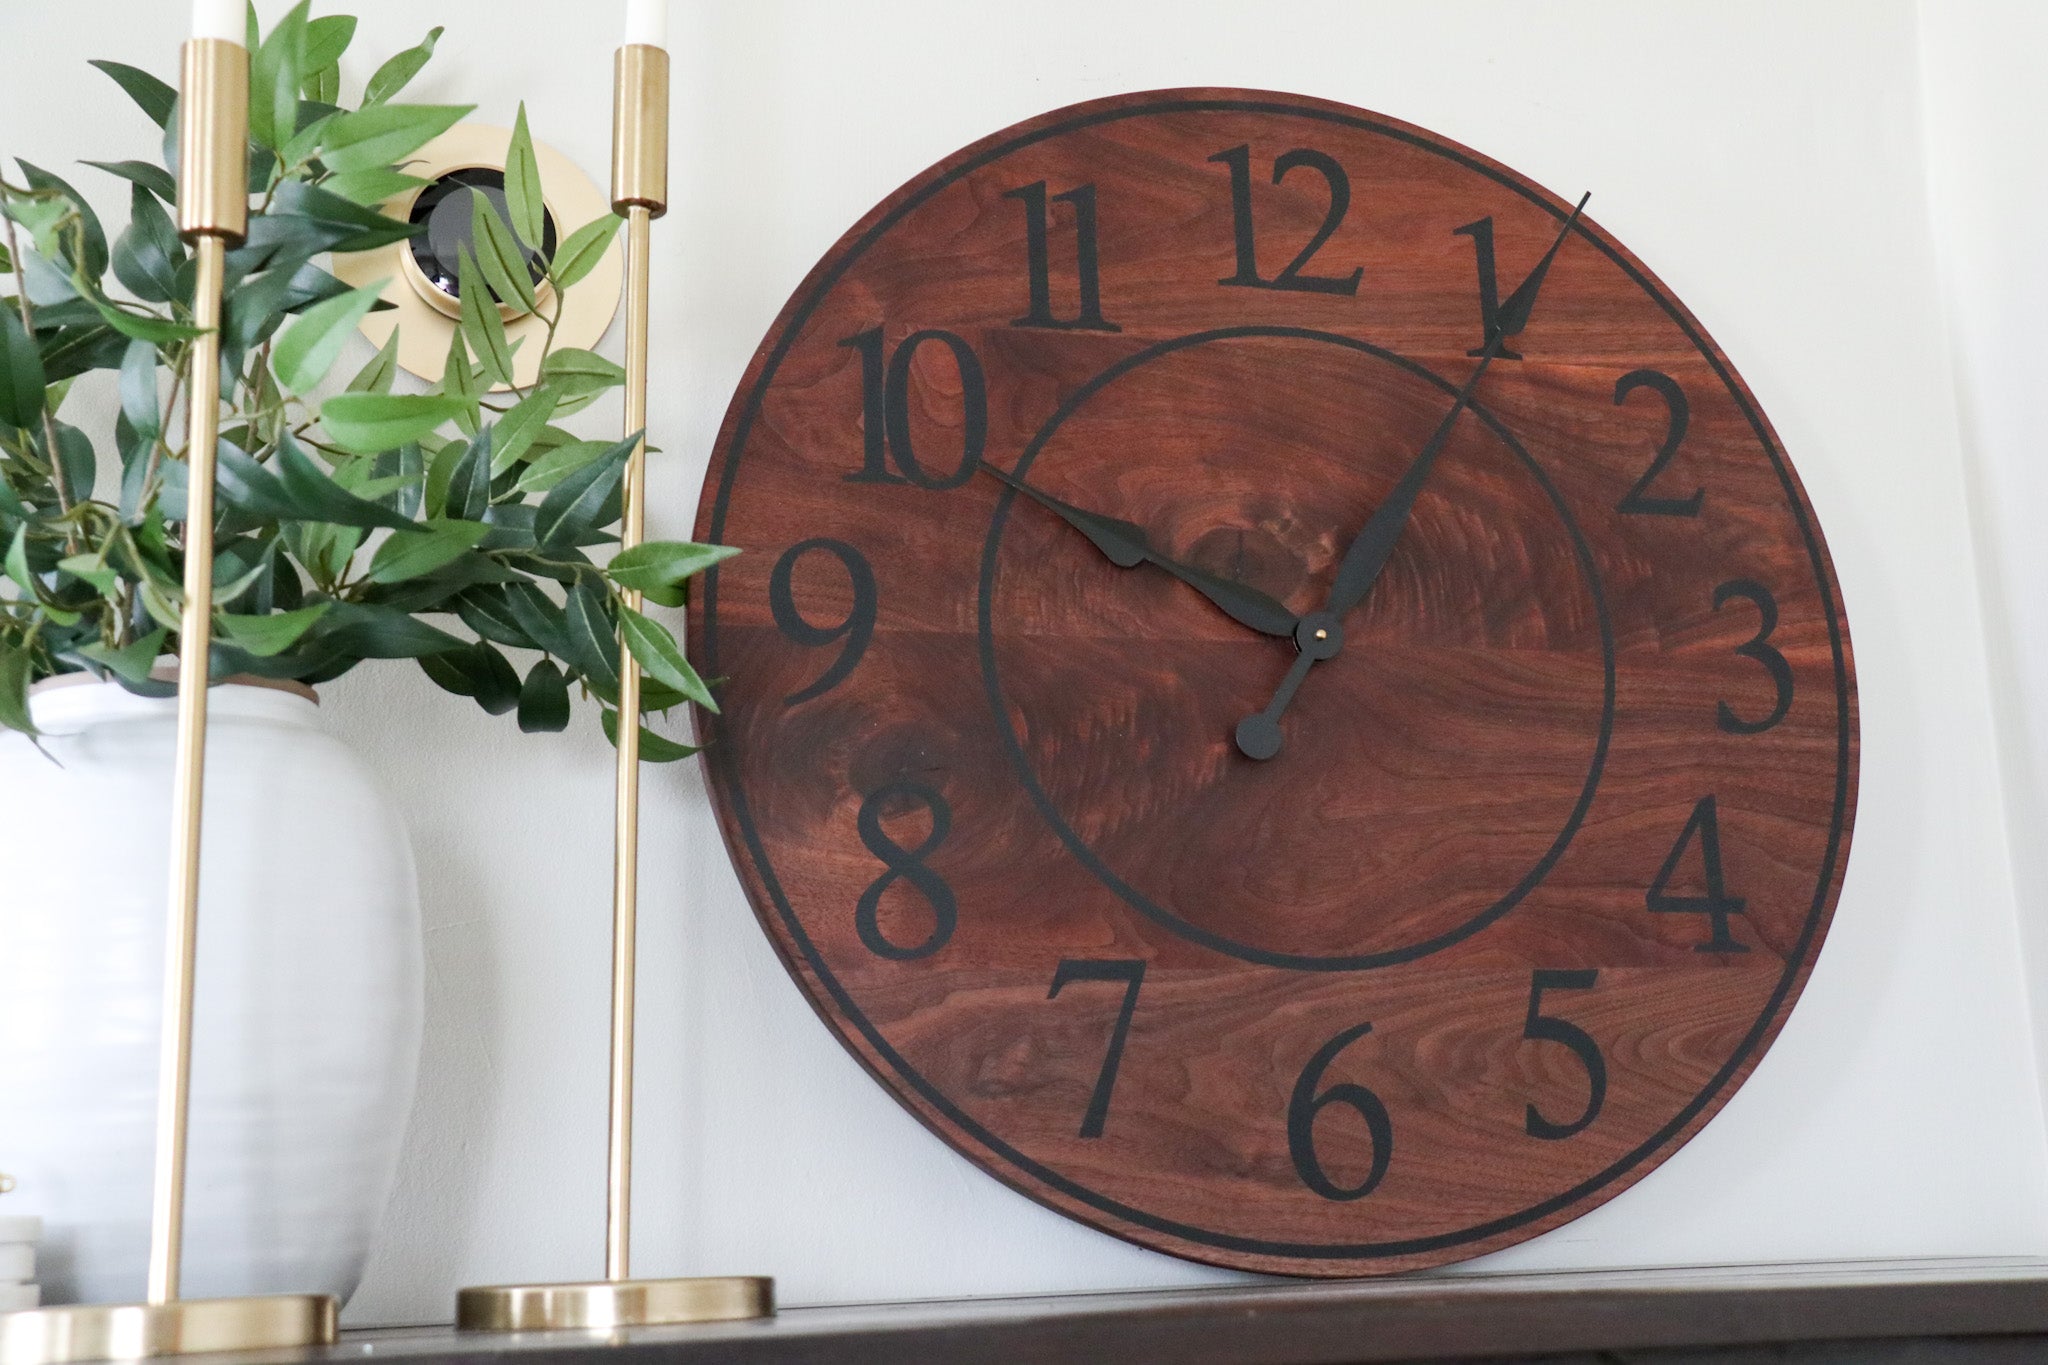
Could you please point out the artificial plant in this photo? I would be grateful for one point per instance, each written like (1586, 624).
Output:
(355, 521)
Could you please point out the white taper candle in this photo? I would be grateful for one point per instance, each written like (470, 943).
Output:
(219, 19)
(647, 22)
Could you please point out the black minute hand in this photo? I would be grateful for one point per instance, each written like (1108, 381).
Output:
(1124, 544)
(1369, 553)
(1320, 634)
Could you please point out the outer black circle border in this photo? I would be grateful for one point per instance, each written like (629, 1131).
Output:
(1079, 848)
(1043, 1175)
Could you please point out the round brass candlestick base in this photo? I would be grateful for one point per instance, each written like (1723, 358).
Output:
(613, 1303)
(134, 1331)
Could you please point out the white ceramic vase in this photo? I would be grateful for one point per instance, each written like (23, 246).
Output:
(309, 993)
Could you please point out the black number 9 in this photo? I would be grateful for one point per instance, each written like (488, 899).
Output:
(856, 629)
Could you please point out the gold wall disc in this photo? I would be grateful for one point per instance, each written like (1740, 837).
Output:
(133, 1331)
(426, 318)
(612, 1303)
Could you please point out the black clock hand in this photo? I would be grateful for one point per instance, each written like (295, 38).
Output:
(1124, 544)
(1369, 553)
(1319, 635)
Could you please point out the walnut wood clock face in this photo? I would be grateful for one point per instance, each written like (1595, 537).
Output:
(1278, 723)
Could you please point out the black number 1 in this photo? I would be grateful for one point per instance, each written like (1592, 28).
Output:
(1087, 258)
(1132, 974)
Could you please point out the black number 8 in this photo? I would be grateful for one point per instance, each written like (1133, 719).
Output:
(908, 865)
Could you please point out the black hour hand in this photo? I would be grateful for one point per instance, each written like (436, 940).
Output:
(1124, 544)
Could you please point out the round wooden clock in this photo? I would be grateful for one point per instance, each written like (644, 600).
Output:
(1281, 695)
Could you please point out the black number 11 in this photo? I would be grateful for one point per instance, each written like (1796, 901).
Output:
(1087, 259)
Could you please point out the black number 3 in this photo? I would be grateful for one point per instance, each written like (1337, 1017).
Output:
(1760, 649)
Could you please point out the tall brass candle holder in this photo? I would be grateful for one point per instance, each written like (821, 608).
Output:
(213, 210)
(639, 195)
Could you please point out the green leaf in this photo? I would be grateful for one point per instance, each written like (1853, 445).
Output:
(395, 74)
(540, 619)
(590, 641)
(21, 372)
(482, 328)
(77, 461)
(266, 636)
(377, 376)
(551, 468)
(459, 381)
(659, 564)
(143, 326)
(585, 247)
(327, 38)
(544, 700)
(382, 134)
(275, 69)
(522, 184)
(498, 255)
(15, 666)
(154, 97)
(91, 569)
(579, 375)
(653, 748)
(17, 562)
(155, 179)
(131, 664)
(519, 428)
(657, 652)
(305, 143)
(477, 671)
(372, 185)
(485, 611)
(320, 498)
(148, 254)
(367, 423)
(469, 483)
(411, 554)
(349, 225)
(578, 502)
(94, 263)
(374, 632)
(311, 345)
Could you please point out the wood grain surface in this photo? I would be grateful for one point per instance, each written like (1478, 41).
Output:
(1553, 839)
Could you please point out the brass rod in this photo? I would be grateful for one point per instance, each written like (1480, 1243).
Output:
(195, 640)
(626, 859)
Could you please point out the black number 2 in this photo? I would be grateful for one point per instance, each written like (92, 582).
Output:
(1546, 1029)
(1239, 159)
(1038, 251)
(1639, 500)
(1132, 974)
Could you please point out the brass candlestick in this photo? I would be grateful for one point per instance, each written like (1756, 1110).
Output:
(213, 210)
(639, 195)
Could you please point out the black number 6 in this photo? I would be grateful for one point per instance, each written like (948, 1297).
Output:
(1307, 1103)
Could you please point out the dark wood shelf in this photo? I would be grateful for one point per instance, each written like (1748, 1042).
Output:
(1986, 1312)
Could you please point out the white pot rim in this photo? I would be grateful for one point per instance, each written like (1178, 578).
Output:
(169, 673)
(70, 704)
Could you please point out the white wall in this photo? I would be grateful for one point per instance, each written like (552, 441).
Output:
(1764, 156)
(1987, 141)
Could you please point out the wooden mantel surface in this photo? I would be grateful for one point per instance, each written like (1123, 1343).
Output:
(1837, 1312)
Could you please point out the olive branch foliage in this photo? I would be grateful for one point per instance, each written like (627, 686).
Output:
(453, 526)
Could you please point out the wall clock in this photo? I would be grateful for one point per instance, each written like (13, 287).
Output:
(1282, 695)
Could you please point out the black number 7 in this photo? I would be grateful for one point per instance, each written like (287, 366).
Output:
(1132, 974)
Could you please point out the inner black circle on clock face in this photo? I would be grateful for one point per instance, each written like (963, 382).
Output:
(1492, 606)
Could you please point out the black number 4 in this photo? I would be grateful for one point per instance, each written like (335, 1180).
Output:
(1716, 904)
(1132, 974)
(1545, 1029)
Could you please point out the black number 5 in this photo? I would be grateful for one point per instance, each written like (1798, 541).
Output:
(1759, 649)
(1548, 1030)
